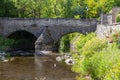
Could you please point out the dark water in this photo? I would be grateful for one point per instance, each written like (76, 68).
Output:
(35, 68)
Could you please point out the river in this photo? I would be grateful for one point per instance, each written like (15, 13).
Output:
(35, 68)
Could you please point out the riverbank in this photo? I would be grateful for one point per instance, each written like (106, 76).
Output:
(99, 58)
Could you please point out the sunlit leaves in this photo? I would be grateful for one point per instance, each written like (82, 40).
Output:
(55, 8)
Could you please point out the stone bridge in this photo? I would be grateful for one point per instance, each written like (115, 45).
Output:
(47, 32)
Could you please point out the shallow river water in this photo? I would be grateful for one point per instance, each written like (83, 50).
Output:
(35, 68)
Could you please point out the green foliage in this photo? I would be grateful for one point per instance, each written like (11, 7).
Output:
(98, 60)
(100, 63)
(116, 2)
(92, 46)
(113, 73)
(80, 9)
(68, 9)
(71, 39)
(118, 18)
(7, 8)
(79, 43)
(65, 42)
(92, 8)
(77, 16)
(82, 39)
(78, 63)
(55, 8)
(5, 43)
(116, 38)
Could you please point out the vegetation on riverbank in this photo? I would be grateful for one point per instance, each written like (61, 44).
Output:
(5, 43)
(65, 42)
(98, 58)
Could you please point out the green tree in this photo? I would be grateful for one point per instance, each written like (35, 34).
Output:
(117, 3)
(96, 7)
(7, 8)
(55, 8)
(29, 8)
(68, 9)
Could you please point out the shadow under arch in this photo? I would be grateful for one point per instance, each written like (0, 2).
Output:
(25, 40)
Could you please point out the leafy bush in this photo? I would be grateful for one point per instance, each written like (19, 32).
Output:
(113, 73)
(100, 63)
(118, 18)
(82, 40)
(5, 43)
(78, 58)
(93, 45)
(98, 60)
(116, 38)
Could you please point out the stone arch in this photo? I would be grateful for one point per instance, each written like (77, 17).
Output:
(50, 35)
(71, 33)
(115, 11)
(49, 41)
(60, 37)
(70, 45)
(25, 40)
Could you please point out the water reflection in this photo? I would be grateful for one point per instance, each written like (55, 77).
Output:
(39, 68)
(21, 68)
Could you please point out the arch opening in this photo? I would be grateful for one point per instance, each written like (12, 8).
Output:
(25, 41)
(76, 42)
(66, 42)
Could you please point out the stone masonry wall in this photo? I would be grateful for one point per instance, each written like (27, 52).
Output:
(106, 30)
